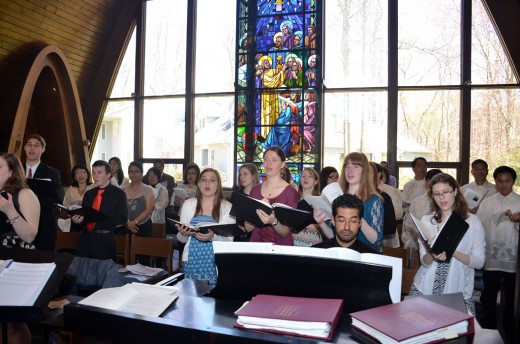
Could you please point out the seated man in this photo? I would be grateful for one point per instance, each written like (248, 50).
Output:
(347, 213)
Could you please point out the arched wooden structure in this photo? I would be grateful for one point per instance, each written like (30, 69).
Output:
(48, 104)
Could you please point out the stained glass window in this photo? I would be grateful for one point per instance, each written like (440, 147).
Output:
(278, 85)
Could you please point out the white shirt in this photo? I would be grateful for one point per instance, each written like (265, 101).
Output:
(113, 181)
(419, 207)
(161, 203)
(501, 233)
(188, 211)
(397, 200)
(487, 189)
(33, 168)
(460, 277)
(414, 188)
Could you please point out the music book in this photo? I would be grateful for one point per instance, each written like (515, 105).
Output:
(324, 201)
(298, 316)
(244, 208)
(222, 229)
(473, 198)
(22, 283)
(137, 298)
(447, 239)
(414, 320)
(42, 187)
(89, 214)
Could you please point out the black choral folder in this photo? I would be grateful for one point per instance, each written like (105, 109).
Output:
(89, 214)
(450, 235)
(42, 187)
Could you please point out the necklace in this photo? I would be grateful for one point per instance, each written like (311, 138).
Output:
(81, 191)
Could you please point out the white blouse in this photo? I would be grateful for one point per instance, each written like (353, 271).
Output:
(460, 277)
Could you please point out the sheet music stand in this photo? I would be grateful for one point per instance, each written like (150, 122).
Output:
(35, 313)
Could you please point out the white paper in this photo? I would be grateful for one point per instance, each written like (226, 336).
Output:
(323, 202)
(22, 283)
(137, 298)
(180, 192)
(139, 269)
(473, 198)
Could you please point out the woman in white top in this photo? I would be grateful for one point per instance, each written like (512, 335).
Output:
(118, 179)
(81, 183)
(437, 275)
(190, 178)
(208, 206)
(161, 195)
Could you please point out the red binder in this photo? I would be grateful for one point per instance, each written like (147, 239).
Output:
(299, 309)
(411, 319)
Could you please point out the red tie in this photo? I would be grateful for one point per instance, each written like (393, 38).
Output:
(30, 173)
(96, 205)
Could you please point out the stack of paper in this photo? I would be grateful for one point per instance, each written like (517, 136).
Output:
(137, 298)
(142, 270)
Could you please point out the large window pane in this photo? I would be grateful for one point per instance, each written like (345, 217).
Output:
(429, 42)
(356, 122)
(163, 128)
(214, 124)
(489, 62)
(428, 125)
(495, 124)
(165, 62)
(356, 41)
(215, 59)
(116, 133)
(124, 84)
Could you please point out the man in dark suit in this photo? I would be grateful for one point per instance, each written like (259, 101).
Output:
(34, 168)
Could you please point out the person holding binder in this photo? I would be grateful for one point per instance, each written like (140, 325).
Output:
(273, 190)
(19, 219)
(437, 274)
(81, 183)
(97, 238)
(312, 234)
(208, 205)
(34, 147)
(247, 178)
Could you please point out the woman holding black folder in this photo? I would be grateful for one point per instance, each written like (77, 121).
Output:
(438, 273)
(273, 190)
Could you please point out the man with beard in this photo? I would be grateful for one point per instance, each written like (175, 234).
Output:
(347, 213)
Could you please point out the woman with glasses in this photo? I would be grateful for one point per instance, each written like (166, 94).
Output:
(140, 202)
(274, 190)
(437, 274)
(81, 183)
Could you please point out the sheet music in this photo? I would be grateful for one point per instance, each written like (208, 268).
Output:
(22, 283)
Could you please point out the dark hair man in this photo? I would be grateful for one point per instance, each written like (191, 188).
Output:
(34, 147)
(347, 214)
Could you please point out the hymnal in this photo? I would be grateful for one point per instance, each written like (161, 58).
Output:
(415, 320)
(447, 239)
(222, 229)
(137, 298)
(22, 283)
(89, 214)
(324, 201)
(42, 187)
(298, 316)
(473, 198)
(244, 208)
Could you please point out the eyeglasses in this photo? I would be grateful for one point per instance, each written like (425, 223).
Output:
(134, 171)
(78, 172)
(442, 194)
(353, 221)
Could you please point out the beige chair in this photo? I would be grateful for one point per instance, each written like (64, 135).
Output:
(153, 247)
